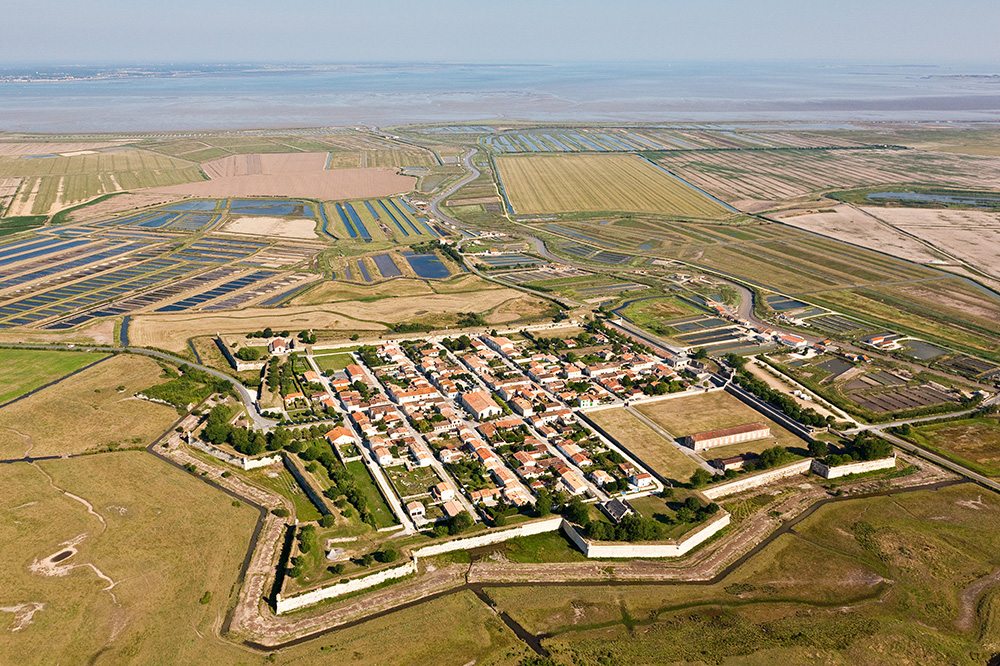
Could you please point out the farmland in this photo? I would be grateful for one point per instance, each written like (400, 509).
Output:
(130, 535)
(579, 183)
(330, 184)
(25, 370)
(91, 410)
(779, 175)
(52, 183)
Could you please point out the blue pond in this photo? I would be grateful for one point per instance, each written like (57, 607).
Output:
(386, 266)
(281, 207)
(426, 265)
(980, 201)
(193, 205)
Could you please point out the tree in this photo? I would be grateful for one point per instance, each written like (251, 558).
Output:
(328, 521)
(700, 478)
(460, 523)
(818, 449)
(387, 554)
(544, 504)
(700, 354)
(249, 353)
(576, 511)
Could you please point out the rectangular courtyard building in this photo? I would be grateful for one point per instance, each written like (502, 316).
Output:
(726, 436)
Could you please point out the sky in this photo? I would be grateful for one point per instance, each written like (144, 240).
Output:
(497, 31)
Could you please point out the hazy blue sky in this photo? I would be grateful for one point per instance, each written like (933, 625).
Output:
(499, 31)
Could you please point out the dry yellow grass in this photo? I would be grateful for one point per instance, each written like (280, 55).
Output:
(651, 448)
(711, 411)
(171, 331)
(87, 412)
(597, 183)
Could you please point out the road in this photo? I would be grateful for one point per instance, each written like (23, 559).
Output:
(459, 184)
(249, 399)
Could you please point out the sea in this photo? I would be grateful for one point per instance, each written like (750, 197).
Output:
(133, 98)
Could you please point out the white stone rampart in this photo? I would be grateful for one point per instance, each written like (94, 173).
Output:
(340, 589)
(859, 467)
(241, 462)
(530, 529)
(675, 548)
(755, 480)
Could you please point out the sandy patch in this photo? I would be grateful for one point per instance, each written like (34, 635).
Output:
(851, 225)
(22, 614)
(121, 203)
(271, 164)
(972, 236)
(327, 185)
(274, 227)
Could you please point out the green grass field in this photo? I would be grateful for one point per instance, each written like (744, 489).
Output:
(581, 183)
(87, 412)
(878, 581)
(971, 442)
(24, 370)
(333, 362)
(376, 503)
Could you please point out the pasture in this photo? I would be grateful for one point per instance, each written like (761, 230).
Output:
(89, 411)
(25, 370)
(597, 183)
(152, 615)
(652, 449)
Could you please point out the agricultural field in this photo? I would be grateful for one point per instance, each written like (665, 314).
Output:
(119, 515)
(742, 178)
(655, 451)
(51, 182)
(892, 560)
(89, 411)
(711, 411)
(583, 183)
(25, 370)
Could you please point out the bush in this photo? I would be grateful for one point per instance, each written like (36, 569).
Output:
(327, 521)
(280, 512)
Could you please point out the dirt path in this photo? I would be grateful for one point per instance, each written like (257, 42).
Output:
(27, 438)
(970, 595)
